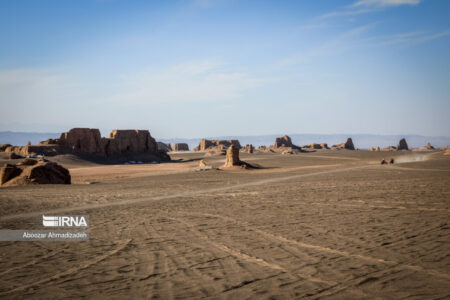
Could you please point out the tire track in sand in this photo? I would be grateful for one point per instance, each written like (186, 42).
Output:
(70, 271)
(244, 256)
(177, 195)
(334, 251)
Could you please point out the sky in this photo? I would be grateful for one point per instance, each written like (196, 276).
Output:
(200, 68)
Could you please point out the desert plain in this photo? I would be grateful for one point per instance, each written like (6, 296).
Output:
(321, 225)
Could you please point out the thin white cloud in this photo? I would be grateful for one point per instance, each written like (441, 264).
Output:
(407, 38)
(367, 6)
(384, 3)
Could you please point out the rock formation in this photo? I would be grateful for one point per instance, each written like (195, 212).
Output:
(34, 172)
(4, 146)
(232, 157)
(248, 148)
(165, 147)
(233, 160)
(316, 146)
(202, 164)
(427, 147)
(402, 145)
(82, 141)
(180, 147)
(284, 141)
(87, 142)
(389, 148)
(223, 144)
(7, 172)
(348, 145)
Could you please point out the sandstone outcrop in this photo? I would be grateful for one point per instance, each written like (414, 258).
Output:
(427, 147)
(248, 148)
(4, 146)
(218, 144)
(315, 146)
(180, 147)
(284, 141)
(202, 164)
(82, 141)
(7, 172)
(389, 148)
(37, 172)
(87, 142)
(402, 145)
(347, 145)
(166, 147)
(232, 159)
(48, 142)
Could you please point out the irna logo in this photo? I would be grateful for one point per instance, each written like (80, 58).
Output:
(65, 221)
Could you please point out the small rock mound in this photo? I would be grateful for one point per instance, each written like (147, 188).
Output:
(348, 145)
(34, 172)
(202, 164)
(427, 147)
(389, 148)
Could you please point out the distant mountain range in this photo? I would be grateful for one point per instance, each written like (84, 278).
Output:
(362, 141)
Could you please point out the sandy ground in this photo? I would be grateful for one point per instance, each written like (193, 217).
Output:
(328, 225)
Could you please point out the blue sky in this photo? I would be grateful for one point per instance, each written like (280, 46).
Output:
(223, 67)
